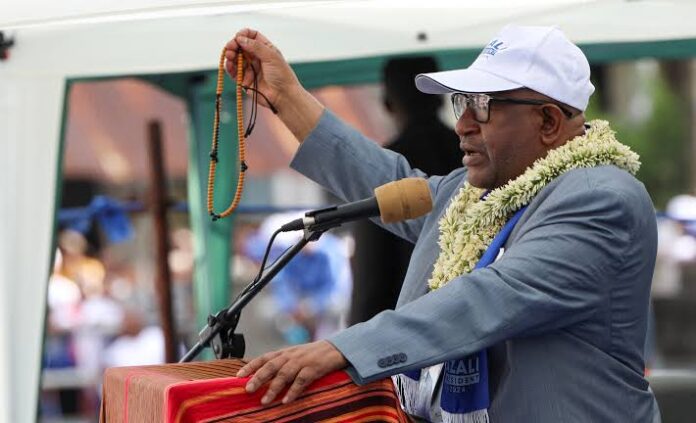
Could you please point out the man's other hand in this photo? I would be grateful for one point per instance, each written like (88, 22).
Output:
(297, 366)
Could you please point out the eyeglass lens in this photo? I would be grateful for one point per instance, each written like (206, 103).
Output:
(477, 103)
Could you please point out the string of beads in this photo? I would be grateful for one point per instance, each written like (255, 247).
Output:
(241, 134)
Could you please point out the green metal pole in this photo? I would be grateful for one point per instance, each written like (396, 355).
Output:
(212, 240)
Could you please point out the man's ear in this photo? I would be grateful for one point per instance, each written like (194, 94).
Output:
(551, 124)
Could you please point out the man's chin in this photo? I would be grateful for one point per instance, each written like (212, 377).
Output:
(478, 182)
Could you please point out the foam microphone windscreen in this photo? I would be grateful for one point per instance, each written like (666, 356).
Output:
(407, 198)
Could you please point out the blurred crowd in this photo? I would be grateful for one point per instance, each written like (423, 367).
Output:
(102, 308)
(94, 321)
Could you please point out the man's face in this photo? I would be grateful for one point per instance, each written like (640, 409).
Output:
(501, 149)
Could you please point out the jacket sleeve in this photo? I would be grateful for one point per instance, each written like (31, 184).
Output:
(351, 166)
(556, 273)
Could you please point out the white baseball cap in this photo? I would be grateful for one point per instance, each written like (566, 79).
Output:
(540, 58)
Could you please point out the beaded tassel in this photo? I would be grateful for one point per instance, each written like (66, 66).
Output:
(216, 135)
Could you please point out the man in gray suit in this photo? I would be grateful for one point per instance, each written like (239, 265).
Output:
(550, 325)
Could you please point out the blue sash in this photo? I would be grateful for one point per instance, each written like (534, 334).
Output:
(465, 380)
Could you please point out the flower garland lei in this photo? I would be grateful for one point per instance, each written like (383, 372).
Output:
(470, 224)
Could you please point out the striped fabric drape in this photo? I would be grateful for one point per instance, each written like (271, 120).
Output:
(205, 392)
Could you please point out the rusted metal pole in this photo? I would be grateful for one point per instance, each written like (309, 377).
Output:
(158, 208)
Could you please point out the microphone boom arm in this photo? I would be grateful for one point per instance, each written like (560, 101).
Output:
(219, 332)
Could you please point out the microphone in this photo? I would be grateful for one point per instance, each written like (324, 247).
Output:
(407, 198)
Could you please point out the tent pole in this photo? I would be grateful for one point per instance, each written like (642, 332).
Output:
(212, 240)
(158, 207)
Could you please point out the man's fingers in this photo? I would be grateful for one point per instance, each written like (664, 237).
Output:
(246, 32)
(303, 379)
(265, 373)
(251, 366)
(231, 63)
(282, 379)
(249, 74)
(254, 35)
(231, 68)
(271, 47)
(256, 363)
(257, 48)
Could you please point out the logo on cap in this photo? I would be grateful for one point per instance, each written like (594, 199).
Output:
(493, 48)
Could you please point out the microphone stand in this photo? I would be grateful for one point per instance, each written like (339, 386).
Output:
(219, 332)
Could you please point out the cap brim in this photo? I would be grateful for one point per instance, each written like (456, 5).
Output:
(463, 80)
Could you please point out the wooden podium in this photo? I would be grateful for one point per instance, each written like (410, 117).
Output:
(206, 392)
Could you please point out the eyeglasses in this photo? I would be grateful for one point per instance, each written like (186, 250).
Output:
(480, 105)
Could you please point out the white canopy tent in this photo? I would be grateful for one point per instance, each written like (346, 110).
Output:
(59, 41)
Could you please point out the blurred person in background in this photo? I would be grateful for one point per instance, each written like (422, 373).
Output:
(64, 298)
(181, 264)
(311, 293)
(82, 319)
(381, 258)
(673, 287)
(100, 317)
(422, 137)
(136, 344)
(676, 245)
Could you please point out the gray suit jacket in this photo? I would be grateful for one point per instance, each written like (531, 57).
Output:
(563, 312)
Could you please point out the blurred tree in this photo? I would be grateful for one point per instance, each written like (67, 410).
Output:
(661, 140)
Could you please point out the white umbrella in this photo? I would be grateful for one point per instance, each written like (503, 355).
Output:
(74, 38)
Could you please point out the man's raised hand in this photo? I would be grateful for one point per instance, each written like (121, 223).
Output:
(276, 80)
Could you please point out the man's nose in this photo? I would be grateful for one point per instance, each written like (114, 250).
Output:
(467, 125)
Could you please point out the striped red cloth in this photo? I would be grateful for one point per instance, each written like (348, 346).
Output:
(204, 392)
